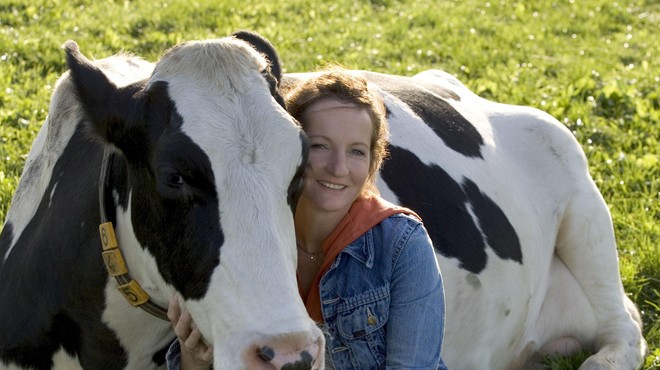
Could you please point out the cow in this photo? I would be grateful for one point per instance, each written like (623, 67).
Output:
(522, 235)
(180, 177)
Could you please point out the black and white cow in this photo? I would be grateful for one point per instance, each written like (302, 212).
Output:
(204, 164)
(523, 237)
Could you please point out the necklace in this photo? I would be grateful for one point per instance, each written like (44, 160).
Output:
(318, 256)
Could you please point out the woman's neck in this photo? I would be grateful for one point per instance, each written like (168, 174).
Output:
(313, 227)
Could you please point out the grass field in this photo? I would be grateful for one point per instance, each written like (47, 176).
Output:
(594, 65)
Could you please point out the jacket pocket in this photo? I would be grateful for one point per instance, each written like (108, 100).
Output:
(363, 315)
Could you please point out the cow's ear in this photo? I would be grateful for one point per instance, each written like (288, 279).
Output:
(111, 111)
(273, 74)
(262, 45)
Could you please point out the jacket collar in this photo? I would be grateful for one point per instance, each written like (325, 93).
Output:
(362, 249)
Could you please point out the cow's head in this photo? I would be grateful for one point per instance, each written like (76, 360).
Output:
(213, 162)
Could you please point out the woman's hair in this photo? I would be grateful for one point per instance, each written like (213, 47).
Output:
(349, 89)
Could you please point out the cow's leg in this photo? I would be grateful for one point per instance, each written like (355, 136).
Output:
(566, 321)
(587, 247)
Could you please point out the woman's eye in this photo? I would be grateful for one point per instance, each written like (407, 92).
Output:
(358, 152)
(317, 146)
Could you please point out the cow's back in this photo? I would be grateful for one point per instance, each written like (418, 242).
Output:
(523, 236)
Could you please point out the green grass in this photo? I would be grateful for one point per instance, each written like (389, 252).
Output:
(593, 65)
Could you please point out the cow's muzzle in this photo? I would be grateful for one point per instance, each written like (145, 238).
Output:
(294, 352)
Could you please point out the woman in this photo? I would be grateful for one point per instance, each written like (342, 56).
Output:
(370, 262)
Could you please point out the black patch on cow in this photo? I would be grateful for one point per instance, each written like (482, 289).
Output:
(296, 185)
(429, 104)
(303, 363)
(443, 205)
(68, 331)
(5, 240)
(273, 86)
(53, 280)
(500, 234)
(174, 201)
(394, 82)
(112, 112)
(118, 183)
(159, 357)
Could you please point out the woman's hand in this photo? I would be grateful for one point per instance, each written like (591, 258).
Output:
(195, 354)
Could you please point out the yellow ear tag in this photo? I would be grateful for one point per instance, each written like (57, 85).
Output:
(114, 262)
(108, 236)
(134, 293)
(112, 258)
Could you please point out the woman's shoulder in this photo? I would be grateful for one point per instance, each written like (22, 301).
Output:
(405, 229)
(398, 229)
(401, 219)
(406, 215)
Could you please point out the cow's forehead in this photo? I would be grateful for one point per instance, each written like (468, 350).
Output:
(226, 106)
(251, 132)
(219, 64)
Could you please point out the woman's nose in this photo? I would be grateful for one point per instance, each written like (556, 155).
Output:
(338, 165)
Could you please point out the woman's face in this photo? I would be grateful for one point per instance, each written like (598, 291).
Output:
(339, 157)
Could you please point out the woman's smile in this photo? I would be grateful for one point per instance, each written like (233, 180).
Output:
(331, 185)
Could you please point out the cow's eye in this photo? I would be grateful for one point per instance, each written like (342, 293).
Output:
(174, 180)
(171, 177)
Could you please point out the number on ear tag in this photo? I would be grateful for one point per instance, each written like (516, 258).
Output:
(114, 262)
(108, 236)
(134, 293)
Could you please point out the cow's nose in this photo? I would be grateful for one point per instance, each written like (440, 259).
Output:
(291, 355)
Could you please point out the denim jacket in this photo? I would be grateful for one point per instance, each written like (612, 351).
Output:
(383, 301)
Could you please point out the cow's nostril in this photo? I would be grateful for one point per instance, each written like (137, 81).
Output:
(306, 360)
(294, 352)
(266, 353)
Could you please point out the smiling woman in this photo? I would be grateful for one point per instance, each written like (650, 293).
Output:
(338, 209)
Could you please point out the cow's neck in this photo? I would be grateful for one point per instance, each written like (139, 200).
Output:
(112, 256)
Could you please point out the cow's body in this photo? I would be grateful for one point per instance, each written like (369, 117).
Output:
(198, 192)
(524, 239)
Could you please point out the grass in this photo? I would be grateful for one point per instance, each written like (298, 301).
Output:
(593, 65)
